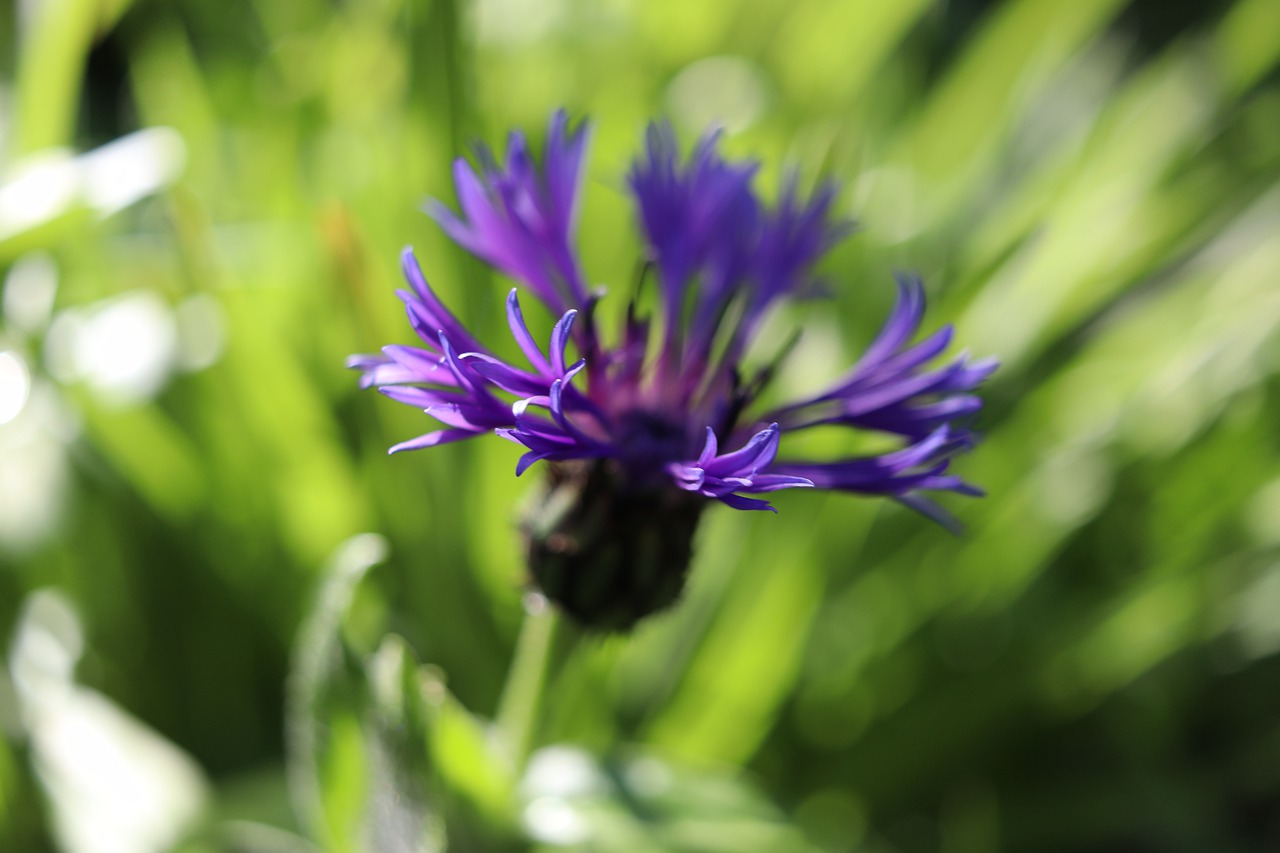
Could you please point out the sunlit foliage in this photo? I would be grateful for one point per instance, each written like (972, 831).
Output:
(202, 207)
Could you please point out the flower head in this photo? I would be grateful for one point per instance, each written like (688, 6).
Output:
(641, 435)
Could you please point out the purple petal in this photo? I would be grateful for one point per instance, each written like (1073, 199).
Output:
(520, 331)
(505, 376)
(560, 340)
(431, 439)
(739, 502)
(756, 453)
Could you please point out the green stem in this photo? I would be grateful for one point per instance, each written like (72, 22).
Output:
(521, 703)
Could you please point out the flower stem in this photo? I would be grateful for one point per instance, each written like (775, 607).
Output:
(521, 703)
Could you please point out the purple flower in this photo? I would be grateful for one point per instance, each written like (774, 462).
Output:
(520, 219)
(653, 427)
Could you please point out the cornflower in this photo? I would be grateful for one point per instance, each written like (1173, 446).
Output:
(640, 436)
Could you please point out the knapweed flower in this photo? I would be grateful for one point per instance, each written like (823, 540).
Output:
(639, 436)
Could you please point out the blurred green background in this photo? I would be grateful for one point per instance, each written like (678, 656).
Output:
(202, 204)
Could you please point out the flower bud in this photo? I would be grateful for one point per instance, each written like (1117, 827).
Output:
(607, 553)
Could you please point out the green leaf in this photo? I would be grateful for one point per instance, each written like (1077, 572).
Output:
(360, 773)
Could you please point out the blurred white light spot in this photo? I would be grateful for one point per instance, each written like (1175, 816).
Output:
(15, 385)
(562, 771)
(33, 485)
(514, 22)
(114, 785)
(130, 168)
(551, 820)
(41, 189)
(534, 603)
(29, 290)
(33, 469)
(201, 332)
(59, 346)
(359, 554)
(727, 91)
(46, 646)
(106, 179)
(124, 347)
